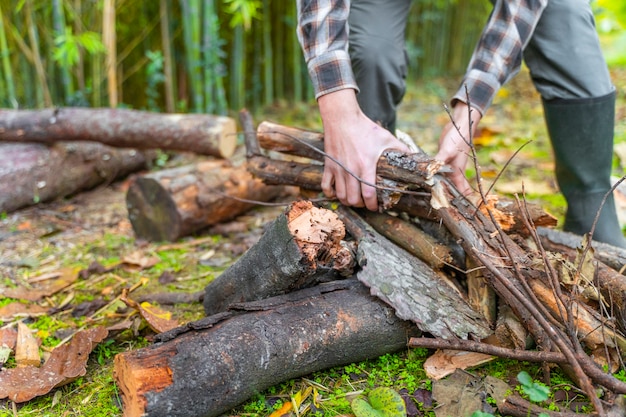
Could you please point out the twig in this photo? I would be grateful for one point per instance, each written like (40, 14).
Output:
(471, 346)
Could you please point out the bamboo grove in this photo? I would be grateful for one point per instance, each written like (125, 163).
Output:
(211, 56)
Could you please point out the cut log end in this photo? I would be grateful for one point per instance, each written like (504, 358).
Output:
(138, 375)
(151, 211)
(226, 134)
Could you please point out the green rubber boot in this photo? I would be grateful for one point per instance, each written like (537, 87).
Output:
(581, 132)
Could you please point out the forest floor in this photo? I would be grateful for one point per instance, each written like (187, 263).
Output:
(58, 240)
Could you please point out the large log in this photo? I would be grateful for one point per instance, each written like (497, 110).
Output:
(169, 204)
(31, 173)
(221, 361)
(124, 128)
(302, 243)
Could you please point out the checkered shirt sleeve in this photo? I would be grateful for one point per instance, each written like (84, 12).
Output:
(323, 34)
(498, 54)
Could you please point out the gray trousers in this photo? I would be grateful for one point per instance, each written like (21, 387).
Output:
(563, 56)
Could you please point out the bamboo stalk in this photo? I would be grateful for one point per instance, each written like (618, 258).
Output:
(33, 37)
(237, 68)
(109, 40)
(168, 68)
(6, 63)
(58, 23)
(268, 55)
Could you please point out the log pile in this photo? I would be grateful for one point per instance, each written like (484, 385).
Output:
(52, 153)
(520, 293)
(327, 287)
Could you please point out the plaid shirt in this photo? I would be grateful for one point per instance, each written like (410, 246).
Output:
(323, 33)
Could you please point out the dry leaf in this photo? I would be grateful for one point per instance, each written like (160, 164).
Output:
(8, 337)
(26, 348)
(46, 288)
(444, 362)
(159, 320)
(66, 363)
(137, 261)
(16, 309)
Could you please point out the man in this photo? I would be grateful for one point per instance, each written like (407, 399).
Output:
(356, 59)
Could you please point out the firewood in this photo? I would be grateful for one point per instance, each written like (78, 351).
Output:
(302, 244)
(210, 366)
(169, 204)
(411, 238)
(123, 128)
(31, 172)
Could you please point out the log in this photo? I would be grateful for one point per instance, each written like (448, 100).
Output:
(31, 173)
(215, 364)
(123, 128)
(169, 204)
(302, 243)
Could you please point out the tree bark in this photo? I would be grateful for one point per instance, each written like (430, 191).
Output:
(31, 173)
(202, 134)
(169, 204)
(416, 291)
(215, 364)
(303, 243)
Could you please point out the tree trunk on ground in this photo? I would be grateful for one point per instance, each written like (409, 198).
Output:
(218, 364)
(31, 173)
(299, 246)
(169, 204)
(201, 134)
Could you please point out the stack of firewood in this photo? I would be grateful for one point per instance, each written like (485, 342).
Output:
(325, 287)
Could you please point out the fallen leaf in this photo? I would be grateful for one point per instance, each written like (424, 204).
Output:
(46, 288)
(137, 261)
(26, 348)
(17, 309)
(445, 362)
(66, 363)
(158, 319)
(8, 337)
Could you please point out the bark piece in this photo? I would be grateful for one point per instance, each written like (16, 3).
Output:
(221, 361)
(416, 292)
(169, 204)
(31, 173)
(122, 128)
(302, 243)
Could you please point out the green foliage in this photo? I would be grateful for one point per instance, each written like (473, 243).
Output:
(68, 46)
(155, 77)
(536, 391)
(242, 11)
(380, 402)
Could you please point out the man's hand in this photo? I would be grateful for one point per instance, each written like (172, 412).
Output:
(454, 150)
(357, 143)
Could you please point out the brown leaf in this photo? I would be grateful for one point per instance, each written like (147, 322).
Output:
(8, 337)
(159, 320)
(136, 261)
(26, 347)
(44, 288)
(17, 309)
(66, 363)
